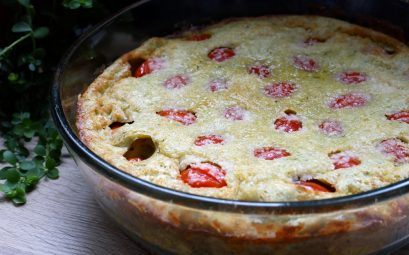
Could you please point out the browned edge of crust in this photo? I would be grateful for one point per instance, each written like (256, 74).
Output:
(121, 68)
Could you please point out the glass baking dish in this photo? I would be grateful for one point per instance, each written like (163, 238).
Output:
(166, 221)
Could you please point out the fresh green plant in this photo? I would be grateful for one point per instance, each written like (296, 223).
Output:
(26, 68)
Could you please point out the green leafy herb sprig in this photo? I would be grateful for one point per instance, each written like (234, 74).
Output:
(26, 69)
(23, 173)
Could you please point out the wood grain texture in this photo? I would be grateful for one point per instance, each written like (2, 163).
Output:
(62, 217)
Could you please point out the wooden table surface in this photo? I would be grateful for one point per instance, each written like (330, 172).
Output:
(62, 217)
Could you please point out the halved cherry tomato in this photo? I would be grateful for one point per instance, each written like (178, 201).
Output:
(135, 159)
(208, 139)
(204, 175)
(270, 153)
(221, 54)
(395, 148)
(218, 84)
(315, 185)
(261, 71)
(349, 100)
(305, 63)
(148, 66)
(182, 116)
(331, 127)
(280, 89)
(288, 123)
(402, 116)
(234, 113)
(177, 81)
(344, 159)
(351, 77)
(310, 41)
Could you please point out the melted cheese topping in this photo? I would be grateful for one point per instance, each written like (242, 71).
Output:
(314, 54)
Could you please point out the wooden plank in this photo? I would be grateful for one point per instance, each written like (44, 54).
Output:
(62, 217)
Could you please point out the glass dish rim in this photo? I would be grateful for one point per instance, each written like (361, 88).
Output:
(187, 199)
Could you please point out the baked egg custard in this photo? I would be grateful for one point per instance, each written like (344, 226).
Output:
(279, 108)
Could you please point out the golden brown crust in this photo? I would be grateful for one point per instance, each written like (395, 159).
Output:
(384, 58)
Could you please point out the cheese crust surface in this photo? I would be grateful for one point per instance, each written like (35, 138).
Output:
(280, 108)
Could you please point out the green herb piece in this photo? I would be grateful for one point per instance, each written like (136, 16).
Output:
(41, 32)
(27, 66)
(75, 4)
(21, 27)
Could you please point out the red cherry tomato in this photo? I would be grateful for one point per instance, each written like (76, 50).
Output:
(288, 123)
(199, 37)
(149, 66)
(234, 113)
(280, 89)
(344, 159)
(134, 159)
(394, 148)
(204, 175)
(349, 100)
(177, 81)
(182, 116)
(402, 116)
(331, 127)
(143, 69)
(208, 139)
(313, 41)
(260, 70)
(351, 77)
(218, 84)
(221, 54)
(305, 63)
(315, 185)
(270, 153)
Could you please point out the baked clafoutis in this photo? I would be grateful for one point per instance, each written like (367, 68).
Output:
(280, 108)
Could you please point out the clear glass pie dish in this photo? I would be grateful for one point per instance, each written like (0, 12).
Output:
(167, 221)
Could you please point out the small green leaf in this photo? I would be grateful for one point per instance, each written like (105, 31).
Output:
(50, 163)
(37, 171)
(29, 133)
(7, 187)
(55, 154)
(21, 27)
(20, 200)
(41, 32)
(9, 157)
(12, 175)
(10, 186)
(53, 174)
(32, 180)
(10, 193)
(25, 3)
(27, 165)
(75, 4)
(19, 196)
(40, 150)
(18, 130)
(3, 172)
(13, 77)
